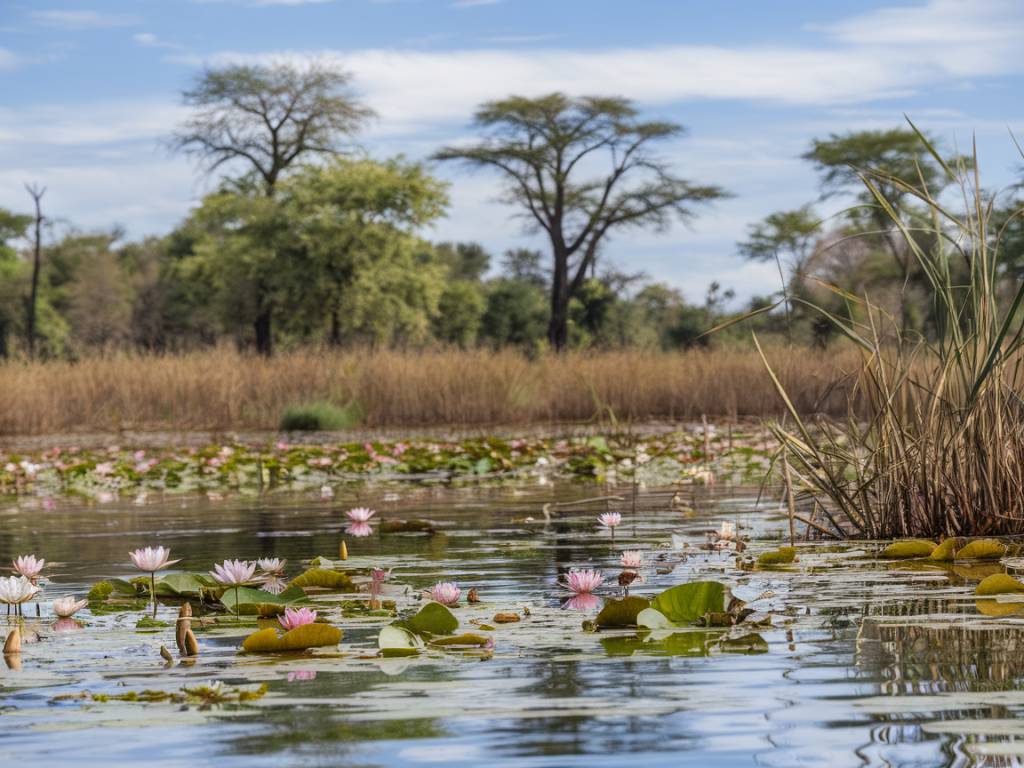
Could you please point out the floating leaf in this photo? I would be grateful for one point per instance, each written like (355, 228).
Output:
(467, 638)
(998, 584)
(621, 612)
(433, 619)
(780, 556)
(259, 602)
(652, 619)
(314, 635)
(996, 609)
(686, 603)
(900, 550)
(187, 585)
(323, 578)
(406, 526)
(982, 549)
(395, 640)
(506, 618)
(946, 549)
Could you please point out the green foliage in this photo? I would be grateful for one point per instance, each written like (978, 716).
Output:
(780, 556)
(319, 416)
(686, 603)
(899, 550)
(270, 640)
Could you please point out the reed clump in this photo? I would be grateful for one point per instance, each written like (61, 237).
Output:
(933, 444)
(223, 389)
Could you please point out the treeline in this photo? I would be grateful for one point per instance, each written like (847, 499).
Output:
(309, 241)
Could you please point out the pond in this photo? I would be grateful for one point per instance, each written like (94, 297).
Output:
(848, 661)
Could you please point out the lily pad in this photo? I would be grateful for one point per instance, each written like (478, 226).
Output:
(299, 639)
(621, 612)
(996, 609)
(433, 619)
(902, 550)
(407, 526)
(323, 578)
(259, 602)
(395, 640)
(946, 549)
(998, 584)
(686, 603)
(467, 638)
(982, 549)
(187, 585)
(780, 556)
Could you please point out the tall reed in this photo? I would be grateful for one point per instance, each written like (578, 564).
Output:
(935, 444)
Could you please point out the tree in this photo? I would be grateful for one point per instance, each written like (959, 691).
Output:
(466, 261)
(36, 192)
(546, 147)
(12, 227)
(784, 236)
(524, 264)
(268, 118)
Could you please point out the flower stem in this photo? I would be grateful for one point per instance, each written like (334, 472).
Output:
(152, 590)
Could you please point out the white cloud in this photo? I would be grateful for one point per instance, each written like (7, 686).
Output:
(82, 19)
(149, 40)
(7, 59)
(97, 123)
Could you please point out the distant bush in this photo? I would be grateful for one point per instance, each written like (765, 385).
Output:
(319, 416)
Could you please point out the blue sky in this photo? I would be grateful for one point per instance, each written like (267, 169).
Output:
(91, 87)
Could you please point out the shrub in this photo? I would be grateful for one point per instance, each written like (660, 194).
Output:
(319, 416)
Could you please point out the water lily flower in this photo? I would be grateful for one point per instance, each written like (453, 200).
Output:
(359, 530)
(445, 593)
(271, 564)
(15, 590)
(632, 559)
(727, 532)
(360, 514)
(234, 573)
(296, 618)
(582, 602)
(609, 519)
(301, 675)
(29, 566)
(65, 607)
(583, 580)
(152, 559)
(326, 492)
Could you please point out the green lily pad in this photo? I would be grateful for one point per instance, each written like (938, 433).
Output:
(998, 584)
(323, 578)
(686, 603)
(407, 526)
(467, 638)
(395, 640)
(433, 619)
(187, 585)
(299, 639)
(259, 602)
(946, 549)
(902, 550)
(981, 549)
(780, 556)
(621, 612)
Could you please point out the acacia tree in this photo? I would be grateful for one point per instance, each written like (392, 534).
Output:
(268, 118)
(579, 168)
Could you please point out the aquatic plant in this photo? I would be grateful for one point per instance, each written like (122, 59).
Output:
(29, 567)
(445, 593)
(16, 590)
(65, 607)
(360, 514)
(610, 520)
(933, 441)
(272, 577)
(632, 559)
(234, 573)
(152, 560)
(583, 580)
(294, 618)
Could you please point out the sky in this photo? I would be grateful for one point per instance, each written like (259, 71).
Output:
(91, 91)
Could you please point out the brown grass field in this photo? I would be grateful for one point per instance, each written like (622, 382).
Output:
(225, 390)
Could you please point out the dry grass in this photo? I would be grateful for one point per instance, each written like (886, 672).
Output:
(225, 390)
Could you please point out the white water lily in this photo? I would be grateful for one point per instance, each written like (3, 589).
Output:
(29, 566)
(15, 590)
(234, 572)
(65, 607)
(152, 559)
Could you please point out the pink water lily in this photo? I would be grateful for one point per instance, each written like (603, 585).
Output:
(29, 566)
(632, 559)
(609, 519)
(294, 618)
(583, 580)
(152, 559)
(234, 572)
(445, 593)
(301, 675)
(360, 514)
(65, 607)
